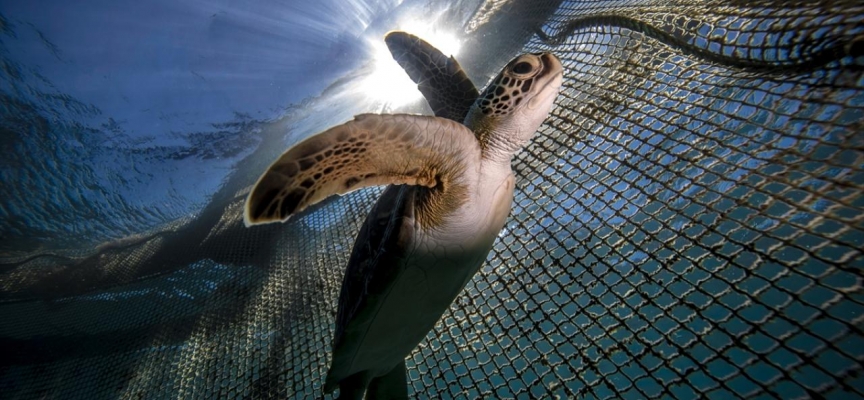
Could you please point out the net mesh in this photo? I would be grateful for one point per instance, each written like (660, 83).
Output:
(687, 223)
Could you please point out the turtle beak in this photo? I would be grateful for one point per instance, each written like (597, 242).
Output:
(549, 80)
(551, 65)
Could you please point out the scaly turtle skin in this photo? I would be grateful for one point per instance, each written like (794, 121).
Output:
(430, 232)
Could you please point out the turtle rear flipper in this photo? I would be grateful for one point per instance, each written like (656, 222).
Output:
(391, 386)
(394, 385)
(367, 151)
(441, 79)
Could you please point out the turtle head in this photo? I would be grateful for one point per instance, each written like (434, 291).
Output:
(515, 104)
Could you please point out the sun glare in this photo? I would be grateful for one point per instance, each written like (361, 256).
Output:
(389, 83)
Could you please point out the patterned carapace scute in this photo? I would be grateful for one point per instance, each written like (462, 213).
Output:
(688, 222)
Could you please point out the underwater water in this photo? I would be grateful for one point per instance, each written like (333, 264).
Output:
(689, 221)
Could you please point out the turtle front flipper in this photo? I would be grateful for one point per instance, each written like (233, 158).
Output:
(441, 79)
(367, 151)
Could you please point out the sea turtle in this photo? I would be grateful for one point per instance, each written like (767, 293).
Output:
(430, 231)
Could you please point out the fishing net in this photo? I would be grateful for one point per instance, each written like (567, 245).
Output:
(688, 222)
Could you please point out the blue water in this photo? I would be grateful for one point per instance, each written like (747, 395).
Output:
(120, 116)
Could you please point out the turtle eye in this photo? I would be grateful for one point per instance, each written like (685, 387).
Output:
(523, 67)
